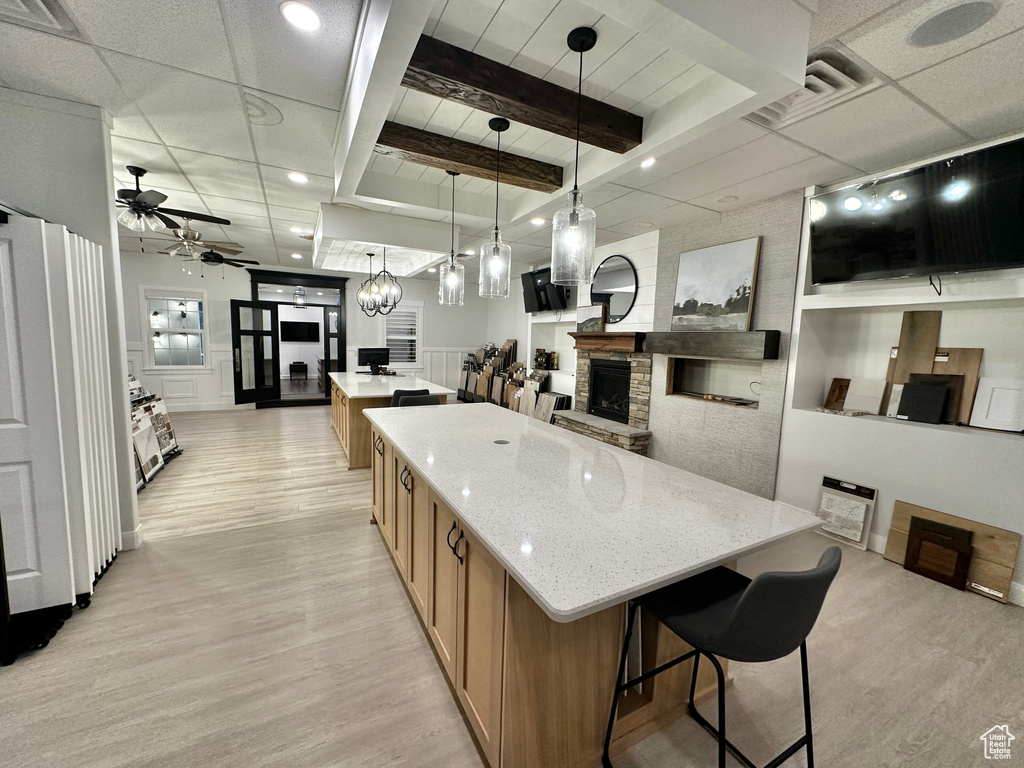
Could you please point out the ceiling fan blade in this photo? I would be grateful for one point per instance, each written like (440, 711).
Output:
(228, 251)
(222, 244)
(194, 216)
(242, 261)
(168, 222)
(127, 195)
(306, 237)
(238, 264)
(150, 198)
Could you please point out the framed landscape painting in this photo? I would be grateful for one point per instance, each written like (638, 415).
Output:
(715, 287)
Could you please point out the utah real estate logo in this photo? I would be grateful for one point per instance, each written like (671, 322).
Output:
(997, 742)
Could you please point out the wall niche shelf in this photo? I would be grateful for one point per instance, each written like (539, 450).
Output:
(728, 382)
(953, 428)
(716, 345)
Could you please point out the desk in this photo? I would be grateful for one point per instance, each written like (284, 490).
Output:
(353, 392)
(553, 533)
(296, 368)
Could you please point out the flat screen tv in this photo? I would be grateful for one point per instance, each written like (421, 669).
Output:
(539, 294)
(300, 331)
(962, 214)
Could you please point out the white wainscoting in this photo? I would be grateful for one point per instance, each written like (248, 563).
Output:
(210, 388)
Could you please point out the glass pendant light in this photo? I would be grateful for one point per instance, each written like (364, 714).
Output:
(368, 296)
(574, 229)
(390, 290)
(299, 298)
(496, 256)
(452, 289)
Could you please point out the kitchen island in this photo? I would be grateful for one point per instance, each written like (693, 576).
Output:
(351, 393)
(520, 544)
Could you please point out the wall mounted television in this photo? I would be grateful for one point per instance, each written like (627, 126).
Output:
(300, 331)
(962, 214)
(540, 294)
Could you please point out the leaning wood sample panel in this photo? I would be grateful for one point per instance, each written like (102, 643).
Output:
(995, 549)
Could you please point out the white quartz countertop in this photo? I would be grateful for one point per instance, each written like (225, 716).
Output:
(579, 524)
(357, 385)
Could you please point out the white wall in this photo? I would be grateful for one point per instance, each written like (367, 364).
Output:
(56, 160)
(642, 250)
(301, 351)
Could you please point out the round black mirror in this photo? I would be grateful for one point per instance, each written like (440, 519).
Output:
(614, 284)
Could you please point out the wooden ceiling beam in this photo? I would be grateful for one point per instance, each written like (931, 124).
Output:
(446, 153)
(453, 73)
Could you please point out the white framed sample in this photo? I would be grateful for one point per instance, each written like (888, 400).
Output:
(865, 395)
(999, 404)
(845, 510)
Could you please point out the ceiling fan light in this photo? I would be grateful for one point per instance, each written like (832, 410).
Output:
(132, 220)
(153, 222)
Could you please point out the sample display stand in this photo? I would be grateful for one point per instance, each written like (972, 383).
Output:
(149, 411)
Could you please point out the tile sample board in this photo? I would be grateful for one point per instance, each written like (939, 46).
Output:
(967, 363)
(999, 404)
(846, 510)
(865, 395)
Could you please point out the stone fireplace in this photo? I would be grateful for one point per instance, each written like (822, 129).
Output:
(613, 392)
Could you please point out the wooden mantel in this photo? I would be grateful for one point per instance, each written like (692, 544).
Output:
(623, 341)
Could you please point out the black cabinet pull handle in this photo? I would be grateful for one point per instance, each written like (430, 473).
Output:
(448, 538)
(455, 546)
(408, 480)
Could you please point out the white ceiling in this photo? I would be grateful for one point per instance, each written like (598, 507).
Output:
(177, 94)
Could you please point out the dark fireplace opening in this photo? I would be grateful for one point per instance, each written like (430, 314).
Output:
(609, 389)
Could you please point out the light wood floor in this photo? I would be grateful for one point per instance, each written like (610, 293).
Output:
(262, 624)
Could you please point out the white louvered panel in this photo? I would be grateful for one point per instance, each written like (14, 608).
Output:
(401, 335)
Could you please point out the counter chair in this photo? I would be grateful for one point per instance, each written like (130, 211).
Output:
(398, 394)
(723, 613)
(419, 400)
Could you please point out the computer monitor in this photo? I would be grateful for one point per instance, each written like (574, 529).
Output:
(375, 357)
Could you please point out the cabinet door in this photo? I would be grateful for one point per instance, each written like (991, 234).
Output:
(378, 475)
(343, 423)
(480, 645)
(442, 583)
(387, 510)
(418, 567)
(400, 543)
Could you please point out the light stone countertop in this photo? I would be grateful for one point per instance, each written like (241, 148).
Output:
(579, 524)
(359, 385)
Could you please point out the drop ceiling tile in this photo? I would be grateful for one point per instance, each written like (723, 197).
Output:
(232, 205)
(301, 215)
(220, 176)
(885, 40)
(250, 237)
(747, 161)
(603, 194)
(184, 201)
(275, 57)
(680, 213)
(243, 220)
(191, 38)
(129, 123)
(713, 144)
(511, 28)
(815, 170)
(833, 18)
(163, 175)
(303, 141)
(281, 191)
(547, 46)
(386, 164)
(55, 66)
(630, 206)
(967, 94)
(879, 130)
(211, 120)
(464, 21)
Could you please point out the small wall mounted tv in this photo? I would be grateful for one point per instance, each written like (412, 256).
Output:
(299, 331)
(961, 214)
(540, 294)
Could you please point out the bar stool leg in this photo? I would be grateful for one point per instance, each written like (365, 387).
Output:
(606, 760)
(721, 711)
(807, 705)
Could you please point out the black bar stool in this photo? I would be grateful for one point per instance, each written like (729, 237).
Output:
(723, 613)
(398, 394)
(419, 400)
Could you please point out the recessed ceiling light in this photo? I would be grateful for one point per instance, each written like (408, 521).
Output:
(301, 15)
(296, 230)
(432, 270)
(298, 178)
(647, 163)
(296, 255)
(280, 290)
(953, 23)
(537, 221)
(470, 252)
(728, 199)
(319, 293)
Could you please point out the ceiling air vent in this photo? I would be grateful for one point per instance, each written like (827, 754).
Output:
(831, 78)
(45, 15)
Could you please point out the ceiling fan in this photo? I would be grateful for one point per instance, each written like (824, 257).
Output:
(213, 258)
(142, 208)
(190, 244)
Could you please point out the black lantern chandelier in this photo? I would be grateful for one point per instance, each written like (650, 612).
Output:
(390, 290)
(368, 296)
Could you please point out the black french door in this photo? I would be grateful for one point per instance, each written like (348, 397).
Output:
(255, 351)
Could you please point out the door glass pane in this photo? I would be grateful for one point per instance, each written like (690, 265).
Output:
(268, 361)
(266, 320)
(245, 318)
(334, 348)
(333, 322)
(248, 363)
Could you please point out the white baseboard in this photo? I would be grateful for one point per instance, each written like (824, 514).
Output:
(132, 539)
(876, 542)
(181, 407)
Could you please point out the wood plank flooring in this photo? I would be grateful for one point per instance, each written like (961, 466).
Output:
(262, 624)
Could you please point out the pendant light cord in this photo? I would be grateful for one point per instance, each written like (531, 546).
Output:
(453, 221)
(579, 118)
(497, 182)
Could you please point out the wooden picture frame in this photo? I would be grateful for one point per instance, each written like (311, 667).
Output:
(591, 319)
(715, 287)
